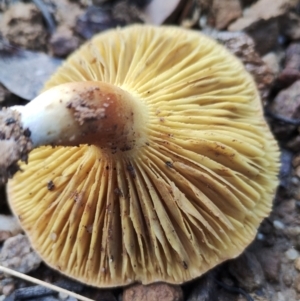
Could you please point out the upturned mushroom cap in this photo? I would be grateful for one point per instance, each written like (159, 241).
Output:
(188, 197)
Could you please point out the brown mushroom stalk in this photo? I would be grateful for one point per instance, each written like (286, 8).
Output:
(77, 113)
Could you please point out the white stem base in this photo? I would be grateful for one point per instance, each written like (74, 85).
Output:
(84, 113)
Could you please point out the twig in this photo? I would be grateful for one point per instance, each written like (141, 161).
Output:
(43, 283)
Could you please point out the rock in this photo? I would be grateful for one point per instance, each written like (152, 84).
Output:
(18, 255)
(127, 13)
(70, 285)
(288, 77)
(8, 289)
(247, 271)
(260, 236)
(224, 12)
(66, 13)
(297, 264)
(286, 295)
(285, 211)
(268, 22)
(287, 102)
(297, 283)
(246, 3)
(278, 225)
(99, 18)
(63, 42)
(265, 35)
(270, 262)
(9, 226)
(4, 94)
(287, 105)
(103, 296)
(33, 292)
(242, 45)
(291, 254)
(296, 161)
(296, 195)
(291, 71)
(292, 231)
(157, 11)
(297, 171)
(155, 291)
(287, 275)
(62, 296)
(25, 71)
(22, 24)
(292, 57)
(263, 9)
(296, 181)
(285, 173)
(94, 20)
(272, 60)
(190, 16)
(290, 26)
(204, 289)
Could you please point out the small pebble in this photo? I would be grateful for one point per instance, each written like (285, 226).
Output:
(292, 231)
(297, 283)
(154, 291)
(272, 61)
(297, 264)
(9, 226)
(63, 296)
(260, 236)
(8, 289)
(287, 274)
(291, 254)
(278, 225)
(17, 254)
(280, 297)
(295, 180)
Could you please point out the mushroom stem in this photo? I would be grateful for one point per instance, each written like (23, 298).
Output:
(84, 113)
(69, 115)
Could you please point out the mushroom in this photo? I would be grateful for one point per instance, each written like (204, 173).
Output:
(159, 164)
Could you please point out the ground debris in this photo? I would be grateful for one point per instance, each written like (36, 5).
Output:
(25, 71)
(15, 144)
(222, 13)
(110, 15)
(287, 102)
(9, 226)
(18, 255)
(247, 271)
(291, 71)
(155, 291)
(23, 26)
(205, 289)
(243, 46)
(63, 42)
(263, 10)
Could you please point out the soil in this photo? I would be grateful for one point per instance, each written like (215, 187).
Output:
(15, 144)
(269, 46)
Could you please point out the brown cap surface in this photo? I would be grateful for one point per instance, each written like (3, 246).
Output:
(190, 197)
